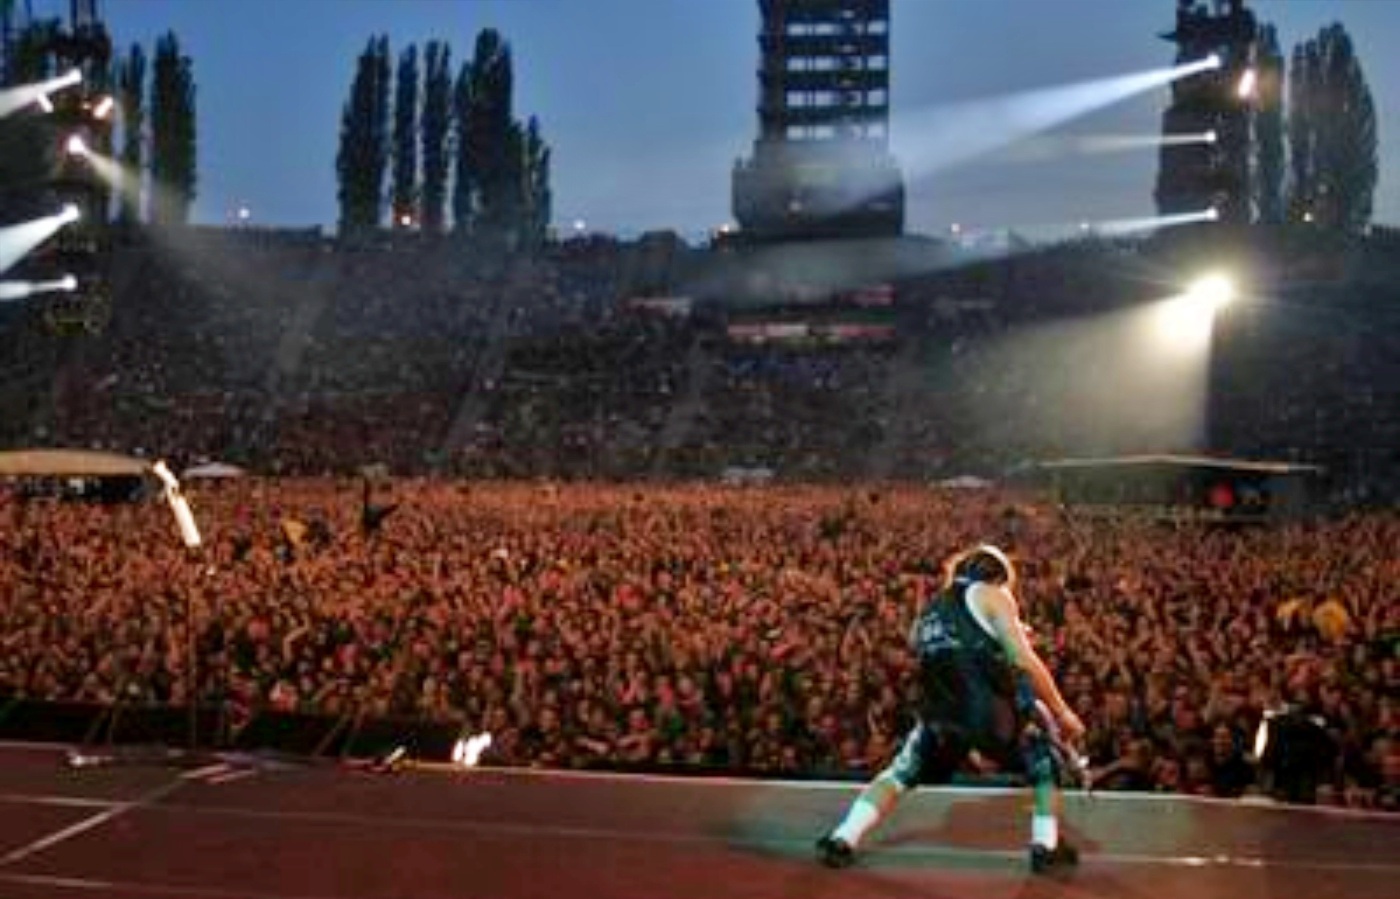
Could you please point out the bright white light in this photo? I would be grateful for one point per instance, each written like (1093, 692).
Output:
(15, 290)
(19, 290)
(1213, 61)
(405, 220)
(1213, 292)
(937, 138)
(1211, 137)
(1213, 214)
(103, 108)
(1261, 738)
(580, 225)
(1249, 82)
(18, 240)
(244, 213)
(76, 146)
(16, 98)
(467, 752)
(69, 213)
(1121, 227)
(1185, 323)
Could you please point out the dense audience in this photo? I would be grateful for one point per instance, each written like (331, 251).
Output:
(299, 356)
(757, 629)
(661, 625)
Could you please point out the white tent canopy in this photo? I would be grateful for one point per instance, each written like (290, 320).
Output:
(69, 463)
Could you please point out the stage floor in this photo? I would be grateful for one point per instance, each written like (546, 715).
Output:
(269, 831)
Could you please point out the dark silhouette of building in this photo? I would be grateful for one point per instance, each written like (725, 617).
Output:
(821, 165)
(1198, 176)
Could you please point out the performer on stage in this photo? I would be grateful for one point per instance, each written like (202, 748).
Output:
(980, 682)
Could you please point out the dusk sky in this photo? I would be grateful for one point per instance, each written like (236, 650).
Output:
(647, 103)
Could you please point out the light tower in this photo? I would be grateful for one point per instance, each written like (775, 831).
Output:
(821, 165)
(1216, 174)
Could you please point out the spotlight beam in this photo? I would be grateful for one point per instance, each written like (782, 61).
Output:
(1119, 227)
(18, 240)
(16, 98)
(1039, 149)
(19, 290)
(940, 138)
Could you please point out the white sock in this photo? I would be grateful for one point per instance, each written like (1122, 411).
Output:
(1045, 831)
(859, 821)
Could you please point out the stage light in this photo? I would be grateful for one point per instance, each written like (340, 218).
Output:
(19, 290)
(76, 146)
(1213, 61)
(13, 99)
(69, 213)
(1211, 136)
(1213, 214)
(1212, 292)
(467, 752)
(1249, 82)
(103, 108)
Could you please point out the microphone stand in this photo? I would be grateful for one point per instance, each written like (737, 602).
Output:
(190, 536)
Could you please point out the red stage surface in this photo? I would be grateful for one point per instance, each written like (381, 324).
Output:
(267, 831)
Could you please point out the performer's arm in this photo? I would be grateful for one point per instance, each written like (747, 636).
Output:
(999, 606)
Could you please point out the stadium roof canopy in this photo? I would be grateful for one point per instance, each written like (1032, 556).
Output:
(1238, 465)
(69, 463)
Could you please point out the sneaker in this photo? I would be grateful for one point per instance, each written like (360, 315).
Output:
(835, 852)
(1047, 861)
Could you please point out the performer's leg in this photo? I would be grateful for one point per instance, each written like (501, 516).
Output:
(872, 806)
(1042, 770)
(879, 797)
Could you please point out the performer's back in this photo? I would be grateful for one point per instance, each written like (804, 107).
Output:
(967, 682)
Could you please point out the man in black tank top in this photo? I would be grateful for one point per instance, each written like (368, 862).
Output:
(983, 688)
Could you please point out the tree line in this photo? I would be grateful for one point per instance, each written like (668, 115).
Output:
(416, 142)
(1315, 147)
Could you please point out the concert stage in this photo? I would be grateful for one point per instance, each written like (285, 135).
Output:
(280, 831)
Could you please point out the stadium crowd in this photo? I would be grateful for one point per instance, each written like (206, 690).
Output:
(734, 628)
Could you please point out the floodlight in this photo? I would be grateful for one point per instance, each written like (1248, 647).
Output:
(69, 213)
(1213, 292)
(1249, 83)
(76, 146)
(103, 107)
